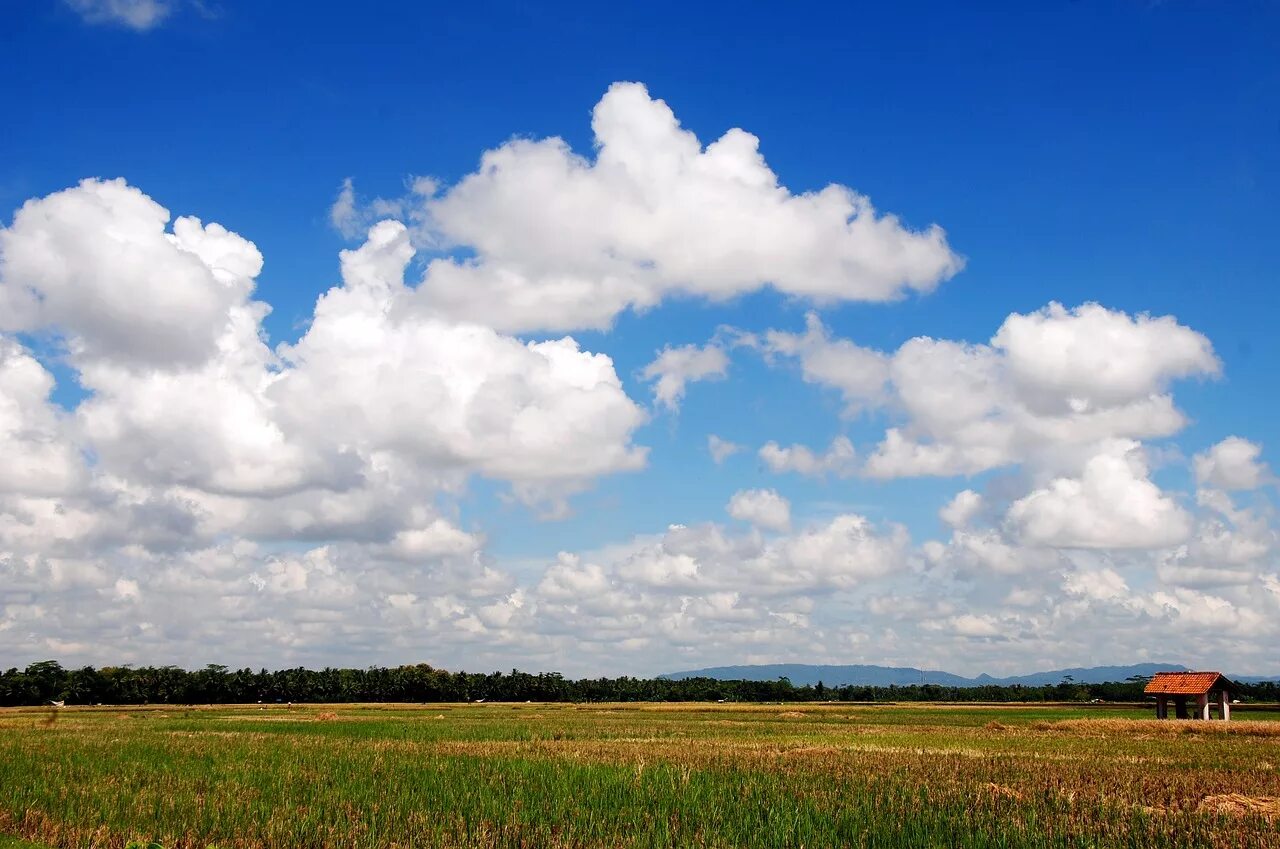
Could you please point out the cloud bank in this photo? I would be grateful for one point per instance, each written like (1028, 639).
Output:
(178, 488)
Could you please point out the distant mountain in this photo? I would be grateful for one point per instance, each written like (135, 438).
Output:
(1082, 675)
(802, 674)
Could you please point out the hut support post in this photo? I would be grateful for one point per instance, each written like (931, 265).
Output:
(1224, 705)
(1162, 706)
(1180, 707)
(1202, 706)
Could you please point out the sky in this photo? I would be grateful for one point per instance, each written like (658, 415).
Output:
(630, 340)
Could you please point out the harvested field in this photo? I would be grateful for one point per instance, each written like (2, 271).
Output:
(561, 775)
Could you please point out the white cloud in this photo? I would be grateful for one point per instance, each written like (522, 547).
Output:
(845, 551)
(1206, 612)
(859, 373)
(962, 508)
(197, 449)
(976, 407)
(1230, 546)
(1234, 463)
(838, 590)
(838, 459)
(569, 579)
(1091, 357)
(764, 508)
(700, 590)
(140, 15)
(841, 553)
(438, 538)
(537, 414)
(1101, 583)
(211, 495)
(125, 589)
(969, 625)
(1050, 388)
(39, 458)
(1111, 505)
(96, 263)
(675, 368)
(564, 242)
(982, 553)
(368, 414)
(722, 449)
(211, 427)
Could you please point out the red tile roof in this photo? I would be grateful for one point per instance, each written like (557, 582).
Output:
(1186, 683)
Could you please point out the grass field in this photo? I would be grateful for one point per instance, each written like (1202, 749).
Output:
(635, 776)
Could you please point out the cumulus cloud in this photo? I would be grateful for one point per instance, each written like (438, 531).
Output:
(139, 15)
(184, 391)
(842, 588)
(1229, 546)
(980, 553)
(1091, 357)
(674, 368)
(977, 407)
(559, 241)
(292, 495)
(961, 509)
(1113, 504)
(1234, 463)
(1066, 395)
(844, 552)
(39, 458)
(1084, 600)
(372, 411)
(838, 460)
(438, 538)
(295, 497)
(1049, 388)
(652, 596)
(969, 625)
(207, 496)
(764, 508)
(859, 373)
(97, 264)
(538, 413)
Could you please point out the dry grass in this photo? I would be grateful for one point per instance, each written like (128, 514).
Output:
(1162, 727)
(647, 776)
(1238, 805)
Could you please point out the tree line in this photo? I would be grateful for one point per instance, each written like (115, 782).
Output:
(48, 681)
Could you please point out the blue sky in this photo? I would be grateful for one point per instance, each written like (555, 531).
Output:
(1121, 153)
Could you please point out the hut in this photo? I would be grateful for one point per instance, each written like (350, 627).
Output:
(1181, 686)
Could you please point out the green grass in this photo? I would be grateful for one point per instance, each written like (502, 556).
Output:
(8, 842)
(635, 776)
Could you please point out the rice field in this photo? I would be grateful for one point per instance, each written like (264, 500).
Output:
(501, 775)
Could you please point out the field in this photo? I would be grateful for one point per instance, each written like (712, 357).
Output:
(498, 775)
